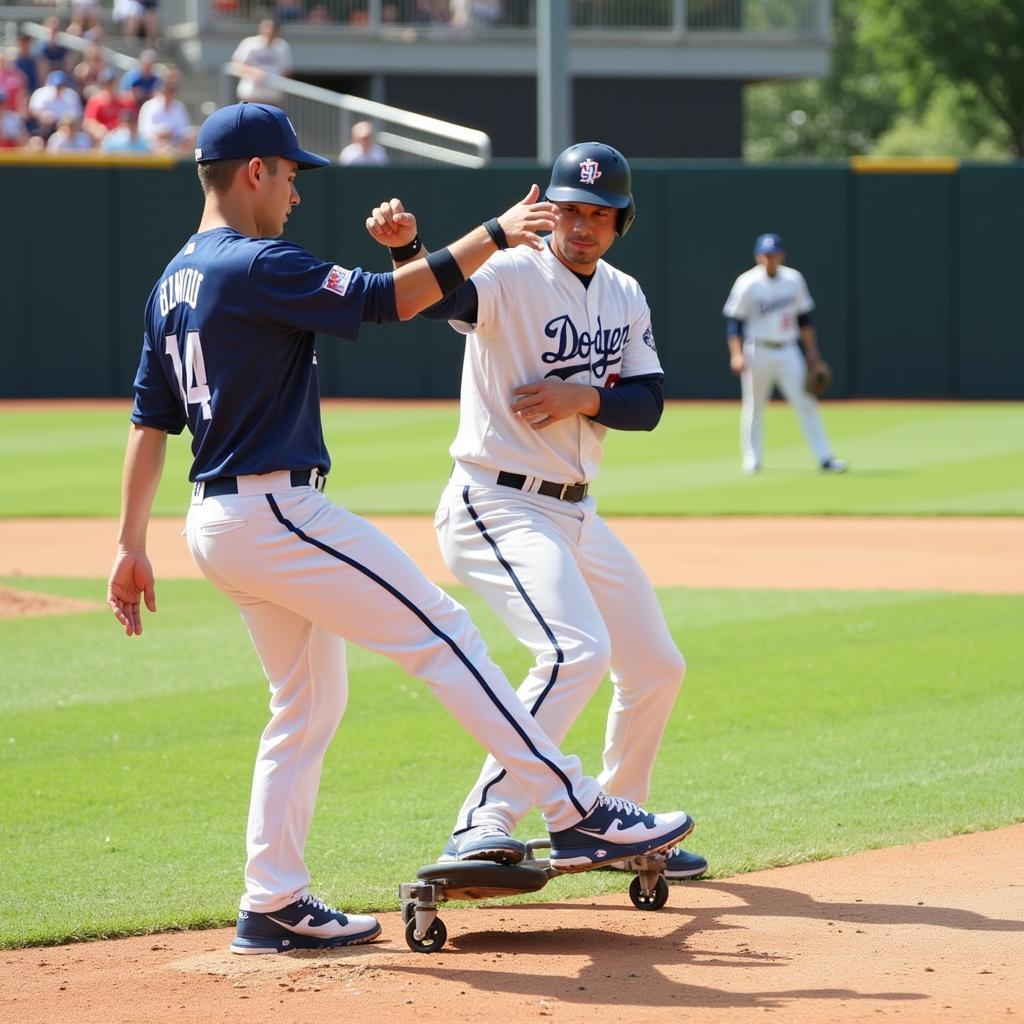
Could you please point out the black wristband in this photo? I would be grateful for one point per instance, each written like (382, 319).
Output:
(446, 270)
(406, 252)
(497, 233)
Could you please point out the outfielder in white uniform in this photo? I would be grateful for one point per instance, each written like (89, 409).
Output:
(559, 347)
(769, 313)
(229, 352)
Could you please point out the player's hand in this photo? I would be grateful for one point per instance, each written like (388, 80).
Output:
(550, 400)
(737, 363)
(391, 224)
(131, 579)
(522, 222)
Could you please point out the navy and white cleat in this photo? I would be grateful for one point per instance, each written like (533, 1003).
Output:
(307, 923)
(680, 864)
(616, 829)
(483, 842)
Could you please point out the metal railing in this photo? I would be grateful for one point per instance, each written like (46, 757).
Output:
(80, 45)
(324, 120)
(453, 18)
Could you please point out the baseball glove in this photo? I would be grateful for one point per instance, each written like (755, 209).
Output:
(819, 378)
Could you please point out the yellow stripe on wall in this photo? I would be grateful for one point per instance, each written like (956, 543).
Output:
(26, 158)
(905, 165)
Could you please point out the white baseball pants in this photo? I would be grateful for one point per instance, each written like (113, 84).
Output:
(786, 367)
(577, 598)
(306, 575)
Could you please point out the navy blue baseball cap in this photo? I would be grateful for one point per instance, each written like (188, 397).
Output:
(768, 243)
(245, 130)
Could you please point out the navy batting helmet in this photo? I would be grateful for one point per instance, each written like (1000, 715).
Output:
(591, 172)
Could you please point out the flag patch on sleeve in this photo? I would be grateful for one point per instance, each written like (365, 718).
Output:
(337, 280)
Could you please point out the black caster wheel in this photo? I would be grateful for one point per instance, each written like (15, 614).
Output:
(654, 900)
(408, 911)
(436, 937)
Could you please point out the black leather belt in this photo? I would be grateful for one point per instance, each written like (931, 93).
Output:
(228, 484)
(566, 492)
(774, 344)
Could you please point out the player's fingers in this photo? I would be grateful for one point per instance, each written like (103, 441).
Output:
(532, 196)
(527, 402)
(150, 595)
(115, 607)
(397, 206)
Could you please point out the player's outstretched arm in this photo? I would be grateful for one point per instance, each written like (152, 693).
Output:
(131, 578)
(420, 283)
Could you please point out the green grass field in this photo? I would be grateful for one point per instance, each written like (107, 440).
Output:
(941, 458)
(812, 724)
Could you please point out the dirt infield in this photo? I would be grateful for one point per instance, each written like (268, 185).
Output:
(961, 554)
(923, 933)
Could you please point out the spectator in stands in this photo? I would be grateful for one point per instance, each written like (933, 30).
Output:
(12, 82)
(364, 149)
(26, 63)
(87, 70)
(125, 138)
(50, 102)
(13, 134)
(289, 10)
(255, 57)
(52, 55)
(164, 121)
(470, 13)
(103, 110)
(143, 80)
(69, 137)
(85, 14)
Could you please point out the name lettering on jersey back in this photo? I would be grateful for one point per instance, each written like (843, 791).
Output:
(573, 343)
(181, 286)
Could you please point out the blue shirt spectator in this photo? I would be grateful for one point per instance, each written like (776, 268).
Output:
(26, 63)
(144, 77)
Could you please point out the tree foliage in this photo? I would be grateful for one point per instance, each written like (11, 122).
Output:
(835, 117)
(914, 77)
(976, 46)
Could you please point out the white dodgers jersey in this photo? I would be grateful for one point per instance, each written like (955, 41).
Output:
(536, 319)
(769, 306)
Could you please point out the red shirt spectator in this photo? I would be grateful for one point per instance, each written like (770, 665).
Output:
(103, 110)
(12, 83)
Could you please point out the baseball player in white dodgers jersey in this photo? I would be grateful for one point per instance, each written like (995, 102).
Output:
(559, 348)
(769, 317)
(229, 352)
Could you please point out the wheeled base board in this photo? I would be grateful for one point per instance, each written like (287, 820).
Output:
(483, 880)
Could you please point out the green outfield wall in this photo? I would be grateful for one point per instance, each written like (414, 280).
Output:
(911, 265)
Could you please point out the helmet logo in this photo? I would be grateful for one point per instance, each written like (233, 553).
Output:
(590, 171)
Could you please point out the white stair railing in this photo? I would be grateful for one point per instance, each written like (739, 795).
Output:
(323, 121)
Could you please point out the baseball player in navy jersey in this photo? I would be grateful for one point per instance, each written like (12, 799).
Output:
(769, 318)
(559, 348)
(228, 351)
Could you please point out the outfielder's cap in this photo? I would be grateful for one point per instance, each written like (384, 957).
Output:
(245, 130)
(768, 243)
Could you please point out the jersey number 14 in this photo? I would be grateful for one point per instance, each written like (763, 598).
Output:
(194, 389)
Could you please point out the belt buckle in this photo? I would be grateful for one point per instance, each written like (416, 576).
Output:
(317, 480)
(561, 493)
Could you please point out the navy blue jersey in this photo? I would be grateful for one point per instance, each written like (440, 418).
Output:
(229, 350)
